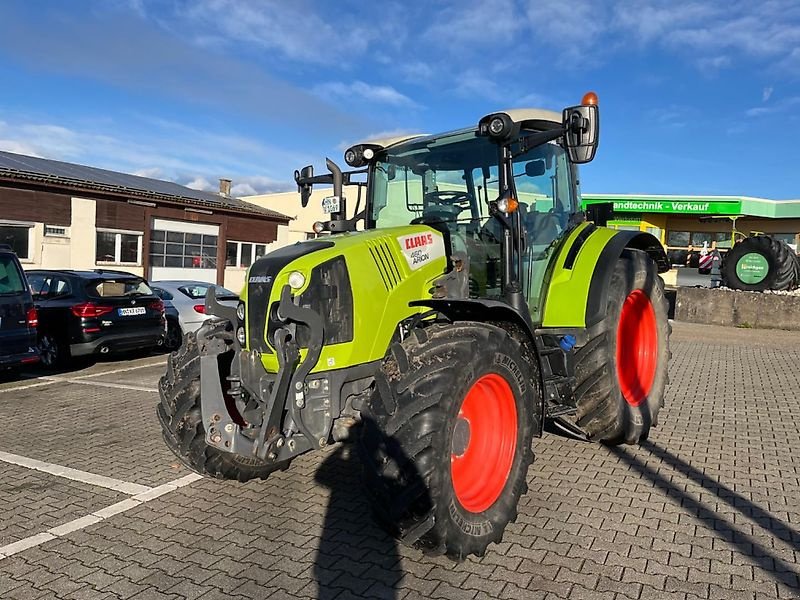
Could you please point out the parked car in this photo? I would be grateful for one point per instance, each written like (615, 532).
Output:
(188, 298)
(18, 318)
(82, 313)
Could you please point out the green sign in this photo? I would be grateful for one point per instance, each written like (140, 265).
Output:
(681, 207)
(752, 268)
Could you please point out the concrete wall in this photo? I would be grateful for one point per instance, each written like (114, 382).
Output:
(738, 309)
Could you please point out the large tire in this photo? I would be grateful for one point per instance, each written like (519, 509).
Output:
(761, 263)
(621, 372)
(446, 439)
(182, 423)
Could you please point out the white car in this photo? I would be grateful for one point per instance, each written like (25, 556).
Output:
(188, 300)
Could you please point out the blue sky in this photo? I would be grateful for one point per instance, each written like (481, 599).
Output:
(695, 97)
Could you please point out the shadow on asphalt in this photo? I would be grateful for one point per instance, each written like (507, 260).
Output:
(782, 572)
(354, 554)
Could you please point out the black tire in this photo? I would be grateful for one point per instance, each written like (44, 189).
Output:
(53, 351)
(409, 438)
(783, 270)
(182, 424)
(609, 408)
(174, 337)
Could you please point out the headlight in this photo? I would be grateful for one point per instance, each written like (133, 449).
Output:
(240, 336)
(496, 126)
(240, 311)
(297, 279)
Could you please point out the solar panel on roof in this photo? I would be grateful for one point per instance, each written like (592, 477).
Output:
(93, 176)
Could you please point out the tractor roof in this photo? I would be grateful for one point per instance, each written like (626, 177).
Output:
(518, 115)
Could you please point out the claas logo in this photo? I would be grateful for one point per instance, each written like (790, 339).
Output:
(415, 241)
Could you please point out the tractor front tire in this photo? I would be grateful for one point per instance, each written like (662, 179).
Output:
(621, 372)
(446, 439)
(182, 423)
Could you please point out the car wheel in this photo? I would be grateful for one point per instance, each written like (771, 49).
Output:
(174, 337)
(52, 351)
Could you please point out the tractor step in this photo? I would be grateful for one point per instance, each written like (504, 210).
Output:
(559, 410)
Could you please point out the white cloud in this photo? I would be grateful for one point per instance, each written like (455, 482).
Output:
(250, 186)
(202, 184)
(359, 90)
(782, 105)
(158, 149)
(710, 64)
(766, 93)
(672, 117)
(290, 28)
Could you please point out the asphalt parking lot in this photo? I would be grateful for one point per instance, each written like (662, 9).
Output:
(94, 505)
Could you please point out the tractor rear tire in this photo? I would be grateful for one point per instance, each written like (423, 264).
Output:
(621, 372)
(446, 439)
(182, 423)
(777, 261)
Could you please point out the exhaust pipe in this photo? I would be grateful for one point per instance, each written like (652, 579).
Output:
(104, 349)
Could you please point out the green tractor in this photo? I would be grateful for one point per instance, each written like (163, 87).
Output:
(466, 303)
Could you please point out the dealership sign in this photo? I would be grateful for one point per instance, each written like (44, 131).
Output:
(681, 207)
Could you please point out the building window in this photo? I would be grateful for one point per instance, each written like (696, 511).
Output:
(177, 249)
(118, 247)
(243, 254)
(54, 231)
(18, 236)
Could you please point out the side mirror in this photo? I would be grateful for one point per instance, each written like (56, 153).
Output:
(535, 168)
(301, 177)
(581, 132)
(600, 213)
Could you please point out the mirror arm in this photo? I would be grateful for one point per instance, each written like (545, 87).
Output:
(537, 139)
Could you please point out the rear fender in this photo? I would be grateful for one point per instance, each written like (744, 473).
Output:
(579, 284)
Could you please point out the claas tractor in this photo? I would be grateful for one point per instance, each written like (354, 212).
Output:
(440, 324)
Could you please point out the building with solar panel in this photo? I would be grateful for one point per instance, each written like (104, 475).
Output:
(59, 215)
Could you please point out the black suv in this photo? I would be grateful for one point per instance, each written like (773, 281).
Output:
(17, 314)
(94, 312)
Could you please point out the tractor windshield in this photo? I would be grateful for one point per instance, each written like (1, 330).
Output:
(453, 178)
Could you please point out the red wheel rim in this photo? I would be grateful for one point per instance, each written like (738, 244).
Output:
(484, 443)
(637, 348)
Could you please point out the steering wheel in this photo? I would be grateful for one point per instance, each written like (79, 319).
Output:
(448, 197)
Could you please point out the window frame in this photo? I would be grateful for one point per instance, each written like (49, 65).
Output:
(239, 245)
(118, 233)
(31, 227)
(174, 245)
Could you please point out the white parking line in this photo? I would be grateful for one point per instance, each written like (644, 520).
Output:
(25, 387)
(118, 386)
(96, 517)
(50, 379)
(75, 475)
(160, 363)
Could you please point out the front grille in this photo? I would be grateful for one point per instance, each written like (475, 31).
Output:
(329, 294)
(259, 286)
(384, 260)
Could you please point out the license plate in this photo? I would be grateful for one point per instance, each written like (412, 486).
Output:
(133, 310)
(330, 204)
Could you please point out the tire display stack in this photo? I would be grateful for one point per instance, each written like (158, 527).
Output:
(761, 263)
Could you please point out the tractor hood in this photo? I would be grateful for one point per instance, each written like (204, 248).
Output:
(360, 283)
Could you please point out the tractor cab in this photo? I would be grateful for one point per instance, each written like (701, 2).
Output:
(503, 194)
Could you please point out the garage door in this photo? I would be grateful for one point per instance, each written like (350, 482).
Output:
(183, 250)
